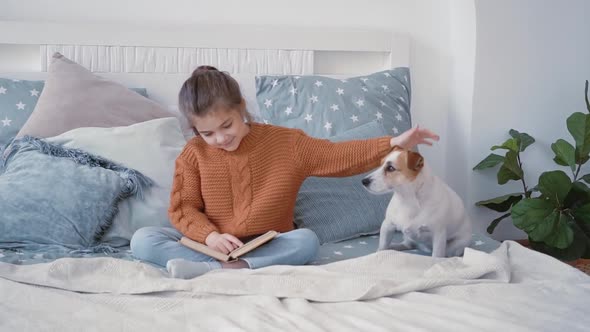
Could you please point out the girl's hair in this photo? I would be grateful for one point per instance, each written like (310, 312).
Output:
(208, 87)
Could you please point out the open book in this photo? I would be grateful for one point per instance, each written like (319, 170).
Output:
(246, 248)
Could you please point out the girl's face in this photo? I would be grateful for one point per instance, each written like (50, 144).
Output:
(223, 128)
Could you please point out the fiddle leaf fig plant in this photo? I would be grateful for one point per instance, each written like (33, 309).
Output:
(555, 213)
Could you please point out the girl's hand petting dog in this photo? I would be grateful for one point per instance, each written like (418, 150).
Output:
(224, 243)
(412, 137)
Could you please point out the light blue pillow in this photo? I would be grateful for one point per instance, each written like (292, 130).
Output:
(17, 101)
(338, 209)
(324, 107)
(18, 98)
(55, 196)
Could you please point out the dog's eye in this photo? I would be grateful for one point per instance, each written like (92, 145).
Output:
(390, 168)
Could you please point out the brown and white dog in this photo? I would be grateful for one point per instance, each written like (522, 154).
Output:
(430, 215)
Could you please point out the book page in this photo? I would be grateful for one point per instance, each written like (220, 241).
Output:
(255, 243)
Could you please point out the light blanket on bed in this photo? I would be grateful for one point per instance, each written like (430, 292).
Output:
(513, 288)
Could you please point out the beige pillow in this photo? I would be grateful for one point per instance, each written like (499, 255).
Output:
(73, 97)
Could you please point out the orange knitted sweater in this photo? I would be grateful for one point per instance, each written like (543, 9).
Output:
(253, 189)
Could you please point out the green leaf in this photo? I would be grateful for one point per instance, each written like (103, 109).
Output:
(586, 96)
(578, 125)
(523, 139)
(565, 153)
(578, 195)
(495, 223)
(586, 178)
(555, 185)
(578, 248)
(510, 170)
(561, 235)
(529, 213)
(490, 161)
(583, 213)
(510, 144)
(501, 203)
(542, 222)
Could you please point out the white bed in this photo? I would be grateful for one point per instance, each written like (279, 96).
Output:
(512, 289)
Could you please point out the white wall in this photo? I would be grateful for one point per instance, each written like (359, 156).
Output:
(531, 62)
(426, 22)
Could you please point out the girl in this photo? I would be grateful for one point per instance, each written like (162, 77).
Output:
(238, 179)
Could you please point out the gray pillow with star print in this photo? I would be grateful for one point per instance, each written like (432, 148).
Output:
(17, 100)
(323, 106)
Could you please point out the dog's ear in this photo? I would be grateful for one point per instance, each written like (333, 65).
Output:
(415, 161)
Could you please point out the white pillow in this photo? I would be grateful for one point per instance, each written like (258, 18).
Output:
(150, 147)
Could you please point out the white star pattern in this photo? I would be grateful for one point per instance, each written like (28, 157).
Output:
(339, 253)
(20, 105)
(265, 121)
(376, 101)
(6, 122)
(34, 92)
(2, 90)
(478, 243)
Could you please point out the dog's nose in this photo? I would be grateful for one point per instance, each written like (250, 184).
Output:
(366, 181)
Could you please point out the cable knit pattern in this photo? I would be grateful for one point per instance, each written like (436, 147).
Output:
(253, 189)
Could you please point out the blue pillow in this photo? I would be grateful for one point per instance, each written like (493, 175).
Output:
(324, 107)
(54, 196)
(18, 98)
(17, 101)
(338, 209)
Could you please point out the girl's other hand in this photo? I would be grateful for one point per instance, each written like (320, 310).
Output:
(224, 243)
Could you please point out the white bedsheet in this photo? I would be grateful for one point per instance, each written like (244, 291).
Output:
(511, 289)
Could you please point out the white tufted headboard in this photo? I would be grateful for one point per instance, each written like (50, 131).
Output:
(160, 58)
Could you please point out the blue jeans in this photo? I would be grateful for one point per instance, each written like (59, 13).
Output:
(158, 245)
